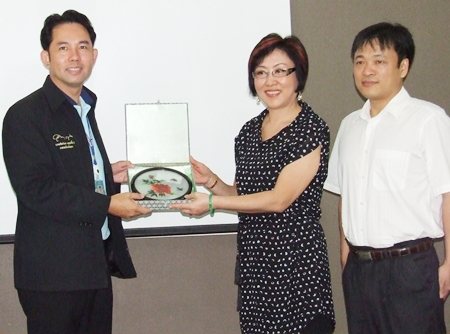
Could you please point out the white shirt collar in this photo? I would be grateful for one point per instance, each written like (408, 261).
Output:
(394, 107)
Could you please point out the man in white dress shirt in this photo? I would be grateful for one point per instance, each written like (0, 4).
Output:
(391, 167)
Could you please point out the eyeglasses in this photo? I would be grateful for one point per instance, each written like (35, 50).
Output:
(278, 72)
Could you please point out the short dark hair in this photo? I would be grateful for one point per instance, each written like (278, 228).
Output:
(290, 45)
(69, 16)
(387, 35)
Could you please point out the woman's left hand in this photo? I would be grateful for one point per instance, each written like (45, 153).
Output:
(198, 207)
(120, 171)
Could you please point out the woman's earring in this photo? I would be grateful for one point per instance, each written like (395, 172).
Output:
(299, 97)
(258, 101)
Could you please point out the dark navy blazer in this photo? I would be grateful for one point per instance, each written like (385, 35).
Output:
(58, 243)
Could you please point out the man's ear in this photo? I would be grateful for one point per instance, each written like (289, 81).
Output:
(95, 54)
(45, 58)
(404, 67)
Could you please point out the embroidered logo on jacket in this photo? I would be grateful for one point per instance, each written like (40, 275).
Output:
(63, 142)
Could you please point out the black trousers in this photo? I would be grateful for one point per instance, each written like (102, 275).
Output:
(68, 312)
(397, 295)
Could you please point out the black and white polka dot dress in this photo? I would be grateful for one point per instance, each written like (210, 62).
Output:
(282, 266)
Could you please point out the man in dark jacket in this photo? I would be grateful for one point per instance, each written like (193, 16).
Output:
(69, 237)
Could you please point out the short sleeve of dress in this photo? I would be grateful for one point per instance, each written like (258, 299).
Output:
(307, 133)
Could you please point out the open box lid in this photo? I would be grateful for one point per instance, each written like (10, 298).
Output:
(157, 133)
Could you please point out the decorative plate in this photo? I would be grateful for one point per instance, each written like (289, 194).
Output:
(160, 183)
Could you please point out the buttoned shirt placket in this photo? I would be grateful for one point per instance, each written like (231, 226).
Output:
(366, 154)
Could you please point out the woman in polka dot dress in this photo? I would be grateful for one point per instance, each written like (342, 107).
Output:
(281, 157)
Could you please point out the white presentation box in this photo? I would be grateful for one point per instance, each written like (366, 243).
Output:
(157, 143)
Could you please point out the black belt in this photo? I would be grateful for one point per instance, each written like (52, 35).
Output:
(387, 253)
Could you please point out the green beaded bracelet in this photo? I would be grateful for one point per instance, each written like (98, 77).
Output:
(211, 210)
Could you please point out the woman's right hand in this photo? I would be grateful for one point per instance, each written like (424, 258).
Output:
(202, 174)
